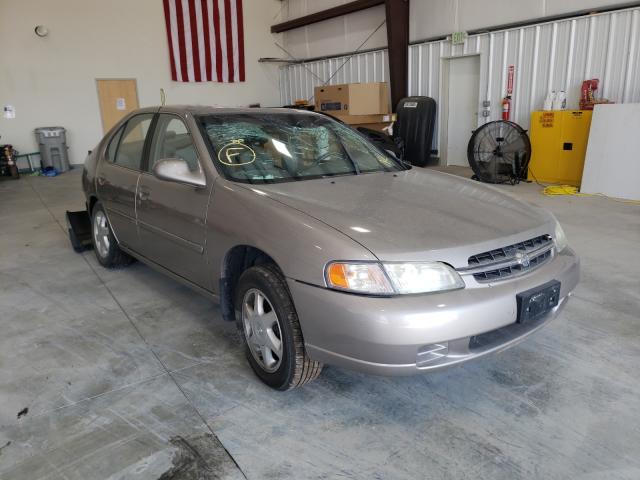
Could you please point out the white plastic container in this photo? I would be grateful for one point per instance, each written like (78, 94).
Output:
(560, 102)
(549, 101)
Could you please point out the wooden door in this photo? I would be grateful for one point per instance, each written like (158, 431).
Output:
(117, 98)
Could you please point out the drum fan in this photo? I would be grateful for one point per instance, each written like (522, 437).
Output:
(499, 152)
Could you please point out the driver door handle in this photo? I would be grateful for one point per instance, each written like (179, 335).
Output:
(101, 180)
(143, 194)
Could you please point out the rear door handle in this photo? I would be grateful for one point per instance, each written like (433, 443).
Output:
(101, 180)
(143, 194)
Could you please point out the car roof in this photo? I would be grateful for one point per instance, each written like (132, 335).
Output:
(209, 110)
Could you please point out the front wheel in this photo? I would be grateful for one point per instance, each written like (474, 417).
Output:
(271, 331)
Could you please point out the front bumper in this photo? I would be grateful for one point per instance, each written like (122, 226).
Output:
(405, 335)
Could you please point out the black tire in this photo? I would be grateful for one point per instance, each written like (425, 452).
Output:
(113, 257)
(296, 368)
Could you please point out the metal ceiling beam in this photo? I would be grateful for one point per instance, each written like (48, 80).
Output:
(398, 45)
(330, 13)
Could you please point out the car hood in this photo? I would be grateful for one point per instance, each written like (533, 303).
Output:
(415, 215)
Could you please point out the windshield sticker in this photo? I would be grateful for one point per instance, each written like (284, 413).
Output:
(236, 154)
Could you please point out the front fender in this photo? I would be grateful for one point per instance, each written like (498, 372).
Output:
(298, 243)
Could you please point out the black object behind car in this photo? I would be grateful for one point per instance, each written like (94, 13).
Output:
(79, 228)
(416, 118)
(412, 132)
(383, 141)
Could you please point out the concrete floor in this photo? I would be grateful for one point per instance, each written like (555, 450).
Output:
(127, 374)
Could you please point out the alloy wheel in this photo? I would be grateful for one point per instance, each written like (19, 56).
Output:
(101, 234)
(262, 330)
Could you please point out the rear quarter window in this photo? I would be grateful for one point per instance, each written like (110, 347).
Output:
(113, 145)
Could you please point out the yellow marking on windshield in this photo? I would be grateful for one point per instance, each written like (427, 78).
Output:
(236, 154)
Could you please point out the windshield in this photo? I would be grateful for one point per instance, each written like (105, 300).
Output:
(280, 147)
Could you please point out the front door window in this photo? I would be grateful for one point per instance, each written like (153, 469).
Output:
(172, 140)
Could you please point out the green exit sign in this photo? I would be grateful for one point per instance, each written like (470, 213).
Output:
(458, 37)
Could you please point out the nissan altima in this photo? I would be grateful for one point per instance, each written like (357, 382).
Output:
(322, 247)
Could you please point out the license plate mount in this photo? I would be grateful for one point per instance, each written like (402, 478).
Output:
(536, 302)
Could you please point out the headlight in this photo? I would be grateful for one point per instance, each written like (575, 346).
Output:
(422, 277)
(392, 278)
(358, 277)
(560, 238)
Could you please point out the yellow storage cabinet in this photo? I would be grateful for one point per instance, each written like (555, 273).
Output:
(558, 146)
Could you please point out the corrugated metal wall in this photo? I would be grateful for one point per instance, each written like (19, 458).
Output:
(297, 81)
(549, 56)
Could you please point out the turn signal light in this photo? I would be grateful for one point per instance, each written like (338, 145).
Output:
(367, 278)
(337, 276)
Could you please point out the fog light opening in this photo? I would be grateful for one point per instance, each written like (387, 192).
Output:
(430, 353)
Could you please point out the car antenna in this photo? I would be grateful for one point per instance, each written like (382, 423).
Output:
(163, 97)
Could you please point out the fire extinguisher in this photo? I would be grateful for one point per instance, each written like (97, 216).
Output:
(506, 107)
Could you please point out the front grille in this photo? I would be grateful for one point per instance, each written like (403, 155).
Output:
(511, 260)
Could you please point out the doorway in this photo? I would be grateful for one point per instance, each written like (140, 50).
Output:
(460, 113)
(117, 97)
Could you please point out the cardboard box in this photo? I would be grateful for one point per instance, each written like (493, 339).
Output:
(353, 99)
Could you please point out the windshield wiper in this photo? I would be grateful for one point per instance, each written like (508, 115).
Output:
(343, 174)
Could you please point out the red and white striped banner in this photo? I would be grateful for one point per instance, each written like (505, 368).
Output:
(206, 40)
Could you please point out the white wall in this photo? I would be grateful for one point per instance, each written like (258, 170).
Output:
(335, 36)
(432, 18)
(611, 164)
(428, 19)
(51, 81)
(556, 55)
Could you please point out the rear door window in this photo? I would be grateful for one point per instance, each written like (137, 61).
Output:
(131, 147)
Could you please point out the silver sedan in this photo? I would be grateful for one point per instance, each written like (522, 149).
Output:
(323, 248)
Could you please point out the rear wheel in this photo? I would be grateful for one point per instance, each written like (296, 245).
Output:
(105, 245)
(272, 335)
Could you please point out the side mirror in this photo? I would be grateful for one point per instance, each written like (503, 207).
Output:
(177, 170)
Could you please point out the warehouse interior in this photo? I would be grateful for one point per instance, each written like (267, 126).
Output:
(128, 373)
